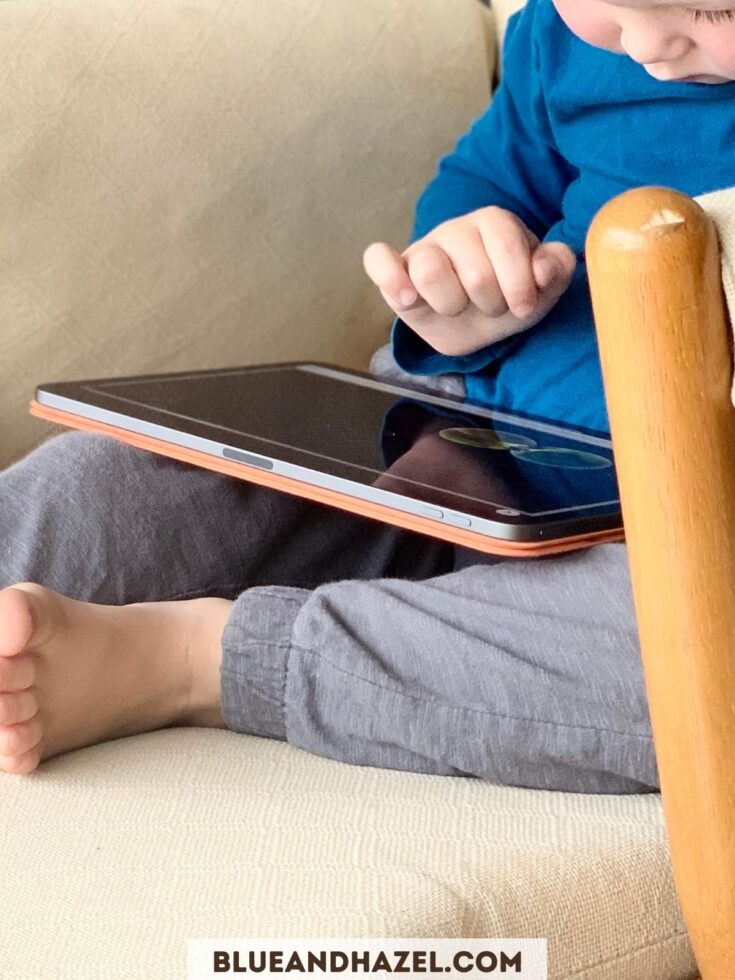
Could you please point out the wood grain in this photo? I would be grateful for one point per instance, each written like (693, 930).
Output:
(664, 345)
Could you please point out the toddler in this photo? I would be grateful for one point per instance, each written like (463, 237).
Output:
(167, 595)
(598, 96)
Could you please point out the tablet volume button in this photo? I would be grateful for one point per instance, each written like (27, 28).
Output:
(438, 515)
(457, 520)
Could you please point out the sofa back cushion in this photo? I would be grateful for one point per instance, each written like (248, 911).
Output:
(503, 9)
(191, 183)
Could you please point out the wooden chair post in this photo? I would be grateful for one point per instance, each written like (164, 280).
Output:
(656, 286)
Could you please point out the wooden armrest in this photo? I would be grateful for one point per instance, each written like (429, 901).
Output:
(655, 278)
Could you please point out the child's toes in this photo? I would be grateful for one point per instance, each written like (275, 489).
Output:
(17, 707)
(16, 673)
(21, 764)
(18, 739)
(16, 621)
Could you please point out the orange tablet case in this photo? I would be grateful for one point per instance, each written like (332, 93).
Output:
(381, 512)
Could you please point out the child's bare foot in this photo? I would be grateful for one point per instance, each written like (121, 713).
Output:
(73, 674)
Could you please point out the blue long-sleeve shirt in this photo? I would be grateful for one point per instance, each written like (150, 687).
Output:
(570, 127)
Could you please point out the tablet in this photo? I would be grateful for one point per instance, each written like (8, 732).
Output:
(451, 468)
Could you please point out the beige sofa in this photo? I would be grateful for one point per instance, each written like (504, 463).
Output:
(191, 183)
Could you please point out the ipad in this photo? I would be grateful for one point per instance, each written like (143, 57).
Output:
(451, 468)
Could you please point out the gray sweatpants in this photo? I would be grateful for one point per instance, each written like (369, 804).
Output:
(349, 638)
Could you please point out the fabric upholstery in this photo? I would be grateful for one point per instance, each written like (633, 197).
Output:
(720, 206)
(191, 183)
(503, 10)
(121, 852)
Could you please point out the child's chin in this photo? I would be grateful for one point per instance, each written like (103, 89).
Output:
(706, 79)
(695, 79)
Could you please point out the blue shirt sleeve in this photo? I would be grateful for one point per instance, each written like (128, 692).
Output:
(507, 159)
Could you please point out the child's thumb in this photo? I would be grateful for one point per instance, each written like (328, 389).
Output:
(553, 266)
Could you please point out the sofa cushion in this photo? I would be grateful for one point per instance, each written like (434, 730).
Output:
(720, 206)
(118, 853)
(503, 10)
(191, 183)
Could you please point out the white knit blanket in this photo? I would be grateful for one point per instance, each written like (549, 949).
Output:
(720, 205)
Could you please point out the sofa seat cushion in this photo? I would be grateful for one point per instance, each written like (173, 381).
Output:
(118, 853)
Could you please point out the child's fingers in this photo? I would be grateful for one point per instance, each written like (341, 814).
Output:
(385, 266)
(465, 249)
(435, 278)
(508, 245)
(553, 263)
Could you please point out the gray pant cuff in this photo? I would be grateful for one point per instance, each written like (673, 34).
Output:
(256, 644)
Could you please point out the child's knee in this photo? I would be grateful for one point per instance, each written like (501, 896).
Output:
(94, 463)
(83, 480)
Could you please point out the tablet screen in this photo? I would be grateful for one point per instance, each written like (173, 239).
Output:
(439, 450)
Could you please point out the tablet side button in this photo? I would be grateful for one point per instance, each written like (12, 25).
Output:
(457, 520)
(241, 457)
(438, 515)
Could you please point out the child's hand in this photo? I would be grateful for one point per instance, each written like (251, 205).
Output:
(472, 280)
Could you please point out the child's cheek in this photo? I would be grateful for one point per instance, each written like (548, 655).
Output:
(590, 23)
(720, 51)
